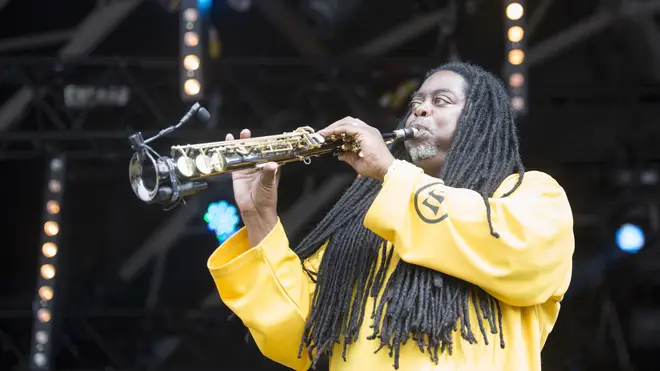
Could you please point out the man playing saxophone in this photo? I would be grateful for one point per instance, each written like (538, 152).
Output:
(443, 255)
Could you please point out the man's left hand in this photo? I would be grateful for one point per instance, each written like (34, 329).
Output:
(376, 157)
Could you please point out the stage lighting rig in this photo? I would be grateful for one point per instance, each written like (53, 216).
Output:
(45, 296)
(515, 70)
(191, 51)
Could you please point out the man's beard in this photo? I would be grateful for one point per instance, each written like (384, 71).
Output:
(421, 151)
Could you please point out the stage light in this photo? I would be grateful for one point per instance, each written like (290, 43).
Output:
(191, 38)
(516, 80)
(51, 228)
(515, 11)
(41, 337)
(49, 249)
(222, 219)
(190, 15)
(204, 5)
(192, 87)
(516, 34)
(46, 293)
(191, 62)
(47, 271)
(54, 186)
(53, 207)
(516, 57)
(630, 238)
(518, 104)
(45, 297)
(191, 51)
(44, 315)
(515, 69)
(39, 359)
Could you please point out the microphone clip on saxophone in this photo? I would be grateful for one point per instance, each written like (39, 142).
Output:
(153, 177)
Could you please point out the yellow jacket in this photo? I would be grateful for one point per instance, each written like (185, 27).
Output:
(439, 227)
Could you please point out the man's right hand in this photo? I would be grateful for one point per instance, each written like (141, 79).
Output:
(255, 192)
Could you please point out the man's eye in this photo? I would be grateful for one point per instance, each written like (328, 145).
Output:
(414, 104)
(440, 100)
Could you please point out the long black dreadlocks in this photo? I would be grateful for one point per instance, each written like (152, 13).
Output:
(417, 302)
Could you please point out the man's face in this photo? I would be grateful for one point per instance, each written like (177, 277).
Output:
(436, 108)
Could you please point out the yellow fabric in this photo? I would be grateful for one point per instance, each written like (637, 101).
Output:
(528, 269)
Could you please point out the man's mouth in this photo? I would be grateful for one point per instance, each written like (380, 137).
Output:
(417, 124)
(422, 131)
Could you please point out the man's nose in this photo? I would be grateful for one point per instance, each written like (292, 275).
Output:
(422, 110)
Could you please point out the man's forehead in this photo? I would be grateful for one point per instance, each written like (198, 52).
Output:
(443, 80)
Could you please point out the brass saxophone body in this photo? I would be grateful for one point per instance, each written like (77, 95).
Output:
(166, 180)
(207, 159)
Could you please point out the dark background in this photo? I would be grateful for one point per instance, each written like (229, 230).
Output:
(594, 111)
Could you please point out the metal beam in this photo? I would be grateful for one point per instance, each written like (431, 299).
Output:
(643, 38)
(535, 19)
(586, 28)
(162, 239)
(91, 31)
(35, 41)
(298, 33)
(400, 34)
(3, 4)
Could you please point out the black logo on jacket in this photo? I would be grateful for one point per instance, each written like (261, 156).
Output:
(427, 203)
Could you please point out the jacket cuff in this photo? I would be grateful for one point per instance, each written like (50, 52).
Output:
(235, 253)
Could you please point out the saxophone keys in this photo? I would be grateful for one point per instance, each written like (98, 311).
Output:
(218, 162)
(203, 163)
(242, 151)
(186, 166)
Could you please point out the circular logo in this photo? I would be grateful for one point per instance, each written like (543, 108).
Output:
(427, 203)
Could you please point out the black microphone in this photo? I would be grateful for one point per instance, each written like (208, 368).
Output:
(196, 110)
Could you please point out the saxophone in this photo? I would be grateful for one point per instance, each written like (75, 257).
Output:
(166, 180)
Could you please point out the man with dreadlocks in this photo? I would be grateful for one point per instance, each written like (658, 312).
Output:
(444, 254)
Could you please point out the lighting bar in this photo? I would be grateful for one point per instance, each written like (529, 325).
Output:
(45, 296)
(515, 70)
(191, 51)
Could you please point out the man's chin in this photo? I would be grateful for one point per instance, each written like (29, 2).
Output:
(422, 152)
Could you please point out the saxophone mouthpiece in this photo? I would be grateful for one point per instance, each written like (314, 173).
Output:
(405, 133)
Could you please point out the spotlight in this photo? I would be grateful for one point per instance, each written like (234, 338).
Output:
(43, 315)
(54, 186)
(192, 87)
(51, 228)
(515, 69)
(630, 238)
(49, 249)
(47, 271)
(190, 49)
(515, 11)
(191, 39)
(191, 62)
(222, 219)
(46, 293)
(205, 5)
(53, 207)
(515, 34)
(516, 57)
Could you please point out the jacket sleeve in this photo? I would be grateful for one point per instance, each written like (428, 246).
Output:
(267, 288)
(446, 229)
